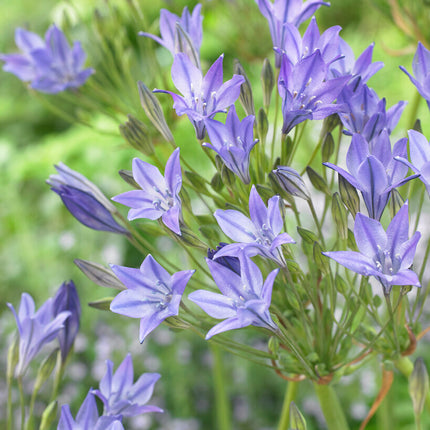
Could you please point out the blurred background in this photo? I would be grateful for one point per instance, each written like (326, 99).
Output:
(40, 239)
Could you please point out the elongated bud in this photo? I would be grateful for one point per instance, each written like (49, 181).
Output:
(45, 370)
(341, 285)
(154, 112)
(127, 176)
(329, 124)
(246, 98)
(99, 274)
(227, 176)
(297, 421)
(396, 202)
(339, 216)
(262, 124)
(135, 133)
(320, 260)
(273, 345)
(190, 239)
(48, 416)
(349, 196)
(317, 180)
(216, 182)
(286, 149)
(183, 43)
(419, 385)
(307, 235)
(102, 304)
(327, 147)
(291, 182)
(12, 358)
(267, 81)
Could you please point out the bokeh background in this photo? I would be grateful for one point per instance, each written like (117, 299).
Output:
(39, 239)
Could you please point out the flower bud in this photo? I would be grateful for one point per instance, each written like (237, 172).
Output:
(396, 202)
(99, 274)
(291, 182)
(327, 147)
(183, 43)
(246, 98)
(232, 263)
(102, 304)
(349, 196)
(307, 235)
(320, 260)
(48, 416)
(154, 112)
(227, 176)
(267, 81)
(12, 358)
(216, 182)
(45, 369)
(262, 124)
(339, 216)
(317, 180)
(417, 126)
(127, 176)
(329, 124)
(135, 133)
(297, 421)
(419, 385)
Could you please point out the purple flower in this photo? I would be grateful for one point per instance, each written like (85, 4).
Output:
(365, 113)
(67, 299)
(283, 12)
(159, 196)
(374, 171)
(419, 148)
(202, 96)
(231, 263)
(258, 235)
(245, 298)
(387, 255)
(88, 418)
(35, 328)
(51, 65)
(152, 294)
(120, 396)
(305, 91)
(421, 69)
(191, 24)
(84, 200)
(233, 142)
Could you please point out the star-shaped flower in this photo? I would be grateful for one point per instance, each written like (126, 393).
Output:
(202, 96)
(387, 255)
(120, 396)
(159, 196)
(245, 299)
(259, 234)
(151, 295)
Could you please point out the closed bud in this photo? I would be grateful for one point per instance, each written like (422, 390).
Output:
(340, 285)
(12, 358)
(183, 43)
(227, 176)
(417, 126)
(218, 163)
(135, 133)
(291, 182)
(419, 385)
(278, 189)
(190, 239)
(396, 202)
(339, 216)
(320, 260)
(297, 421)
(99, 274)
(246, 98)
(262, 124)
(273, 345)
(307, 235)
(349, 196)
(154, 112)
(317, 180)
(267, 81)
(102, 304)
(45, 370)
(327, 147)
(286, 149)
(216, 182)
(177, 323)
(127, 176)
(329, 124)
(48, 416)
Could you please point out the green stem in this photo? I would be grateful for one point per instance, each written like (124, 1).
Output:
(329, 402)
(222, 409)
(9, 404)
(290, 395)
(22, 401)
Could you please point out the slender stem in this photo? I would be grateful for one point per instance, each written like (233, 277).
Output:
(22, 401)
(9, 404)
(222, 409)
(329, 402)
(317, 223)
(290, 395)
(393, 321)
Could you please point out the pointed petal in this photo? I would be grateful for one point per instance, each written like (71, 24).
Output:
(369, 235)
(215, 305)
(354, 261)
(236, 225)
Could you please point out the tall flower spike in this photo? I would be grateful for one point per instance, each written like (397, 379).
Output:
(191, 24)
(421, 69)
(233, 142)
(51, 65)
(159, 196)
(35, 328)
(245, 298)
(305, 91)
(282, 12)
(120, 396)
(66, 299)
(203, 97)
(88, 417)
(152, 294)
(84, 200)
(258, 235)
(387, 255)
